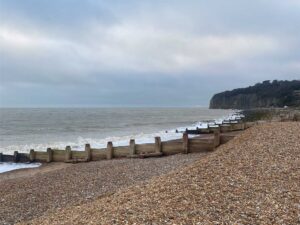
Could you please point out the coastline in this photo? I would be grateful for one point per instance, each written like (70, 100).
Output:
(257, 156)
(58, 128)
(26, 173)
(251, 179)
(166, 136)
(85, 185)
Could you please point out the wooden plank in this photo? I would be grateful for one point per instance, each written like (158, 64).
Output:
(201, 141)
(213, 129)
(225, 128)
(41, 156)
(58, 155)
(172, 147)
(7, 158)
(147, 155)
(98, 154)
(204, 131)
(237, 126)
(78, 155)
(145, 148)
(121, 151)
(201, 147)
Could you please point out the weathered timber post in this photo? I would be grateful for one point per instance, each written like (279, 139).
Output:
(185, 139)
(31, 155)
(217, 138)
(158, 146)
(231, 127)
(68, 154)
(16, 156)
(213, 129)
(109, 150)
(243, 126)
(225, 128)
(1, 155)
(88, 151)
(50, 155)
(132, 148)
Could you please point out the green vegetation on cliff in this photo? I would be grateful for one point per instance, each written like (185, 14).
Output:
(261, 95)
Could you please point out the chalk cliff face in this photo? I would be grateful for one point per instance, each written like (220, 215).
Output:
(261, 95)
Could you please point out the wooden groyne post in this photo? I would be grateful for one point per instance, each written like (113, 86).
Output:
(68, 154)
(158, 145)
(185, 139)
(109, 150)
(88, 151)
(217, 138)
(132, 148)
(49, 155)
(31, 155)
(16, 156)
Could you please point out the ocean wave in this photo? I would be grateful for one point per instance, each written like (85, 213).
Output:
(140, 138)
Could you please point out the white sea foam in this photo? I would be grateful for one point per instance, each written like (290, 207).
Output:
(5, 167)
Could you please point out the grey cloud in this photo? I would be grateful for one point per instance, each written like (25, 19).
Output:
(142, 53)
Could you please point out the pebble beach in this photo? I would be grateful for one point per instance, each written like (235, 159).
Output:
(253, 179)
(30, 193)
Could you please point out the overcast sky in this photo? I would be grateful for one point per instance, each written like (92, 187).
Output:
(142, 53)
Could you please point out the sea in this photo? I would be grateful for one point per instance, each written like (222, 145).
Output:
(22, 129)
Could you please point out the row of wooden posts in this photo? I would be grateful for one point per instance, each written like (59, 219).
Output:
(110, 154)
(158, 148)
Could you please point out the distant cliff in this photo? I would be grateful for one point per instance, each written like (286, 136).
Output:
(262, 95)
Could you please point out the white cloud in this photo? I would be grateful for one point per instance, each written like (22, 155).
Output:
(136, 49)
(162, 41)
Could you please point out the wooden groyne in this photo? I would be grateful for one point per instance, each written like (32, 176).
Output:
(212, 137)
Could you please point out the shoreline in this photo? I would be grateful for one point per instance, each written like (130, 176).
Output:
(84, 185)
(41, 156)
(253, 179)
(141, 137)
(250, 115)
(28, 172)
